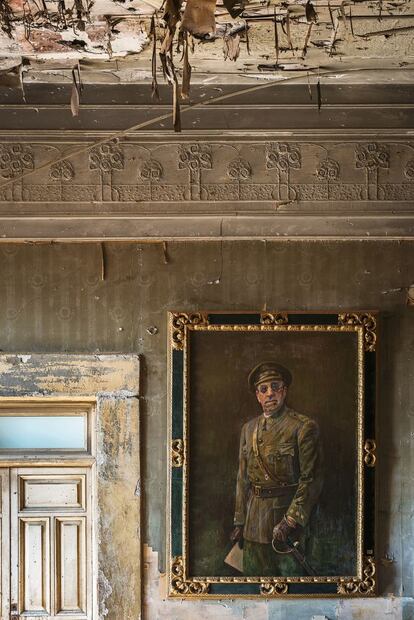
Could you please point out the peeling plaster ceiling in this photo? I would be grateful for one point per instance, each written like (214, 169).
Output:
(111, 41)
(344, 32)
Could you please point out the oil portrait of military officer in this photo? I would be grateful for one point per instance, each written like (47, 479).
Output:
(279, 480)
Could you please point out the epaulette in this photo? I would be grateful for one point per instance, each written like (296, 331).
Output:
(301, 417)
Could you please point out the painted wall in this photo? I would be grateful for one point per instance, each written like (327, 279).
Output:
(76, 298)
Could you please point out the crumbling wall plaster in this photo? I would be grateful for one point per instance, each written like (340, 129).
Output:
(114, 381)
(156, 606)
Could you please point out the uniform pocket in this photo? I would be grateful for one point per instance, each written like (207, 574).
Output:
(287, 449)
(280, 458)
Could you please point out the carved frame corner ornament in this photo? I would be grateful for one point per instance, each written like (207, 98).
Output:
(364, 586)
(369, 324)
(279, 318)
(177, 452)
(180, 586)
(179, 322)
(370, 457)
(273, 587)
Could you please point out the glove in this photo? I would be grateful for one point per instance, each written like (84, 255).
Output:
(237, 535)
(285, 529)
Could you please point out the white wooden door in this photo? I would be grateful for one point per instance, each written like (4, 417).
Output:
(4, 542)
(50, 543)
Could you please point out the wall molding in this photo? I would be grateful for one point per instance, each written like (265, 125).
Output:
(271, 181)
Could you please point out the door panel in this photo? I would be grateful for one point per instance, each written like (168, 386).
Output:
(51, 543)
(70, 585)
(59, 492)
(4, 542)
(34, 573)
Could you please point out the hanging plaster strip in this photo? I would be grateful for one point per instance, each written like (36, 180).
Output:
(334, 35)
(103, 262)
(165, 253)
(276, 38)
(288, 34)
(305, 45)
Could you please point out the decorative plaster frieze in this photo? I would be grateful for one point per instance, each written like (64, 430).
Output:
(205, 171)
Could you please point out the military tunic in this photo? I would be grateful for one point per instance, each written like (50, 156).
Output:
(289, 446)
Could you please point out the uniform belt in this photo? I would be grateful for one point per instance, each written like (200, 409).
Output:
(273, 491)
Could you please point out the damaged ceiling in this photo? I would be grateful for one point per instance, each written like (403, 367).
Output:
(257, 36)
(174, 40)
(111, 76)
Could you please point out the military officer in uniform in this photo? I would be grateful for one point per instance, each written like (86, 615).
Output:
(279, 478)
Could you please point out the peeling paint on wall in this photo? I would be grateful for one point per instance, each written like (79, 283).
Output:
(157, 607)
(114, 381)
(104, 592)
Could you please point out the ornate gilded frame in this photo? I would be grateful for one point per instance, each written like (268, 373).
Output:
(183, 585)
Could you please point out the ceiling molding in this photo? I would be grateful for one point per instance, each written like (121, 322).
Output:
(248, 167)
(281, 228)
(259, 188)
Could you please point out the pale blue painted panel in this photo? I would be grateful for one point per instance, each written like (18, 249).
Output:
(38, 432)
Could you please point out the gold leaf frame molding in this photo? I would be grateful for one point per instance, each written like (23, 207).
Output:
(182, 583)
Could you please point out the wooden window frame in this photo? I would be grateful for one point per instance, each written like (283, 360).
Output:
(51, 406)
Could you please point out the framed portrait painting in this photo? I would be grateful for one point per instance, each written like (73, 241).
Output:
(272, 454)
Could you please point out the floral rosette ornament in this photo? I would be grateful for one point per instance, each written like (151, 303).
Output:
(15, 159)
(239, 170)
(328, 170)
(151, 171)
(106, 157)
(283, 156)
(372, 156)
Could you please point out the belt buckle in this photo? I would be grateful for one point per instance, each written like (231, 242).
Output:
(257, 491)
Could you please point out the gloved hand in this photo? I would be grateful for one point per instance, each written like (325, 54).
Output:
(237, 535)
(286, 528)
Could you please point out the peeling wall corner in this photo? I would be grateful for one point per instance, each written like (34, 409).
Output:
(163, 588)
(104, 592)
(155, 582)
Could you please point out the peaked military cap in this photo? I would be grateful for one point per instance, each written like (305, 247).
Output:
(266, 371)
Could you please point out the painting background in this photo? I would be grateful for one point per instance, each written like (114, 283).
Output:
(324, 387)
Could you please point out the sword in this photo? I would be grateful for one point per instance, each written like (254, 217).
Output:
(298, 554)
